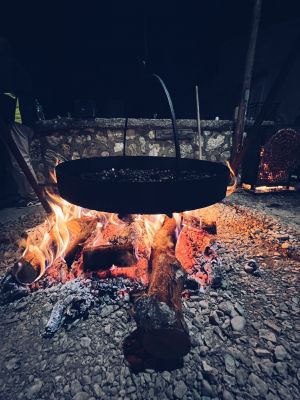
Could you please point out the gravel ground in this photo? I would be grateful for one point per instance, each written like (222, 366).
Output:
(245, 336)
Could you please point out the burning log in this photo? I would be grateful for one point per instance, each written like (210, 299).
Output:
(158, 314)
(30, 266)
(104, 256)
(80, 230)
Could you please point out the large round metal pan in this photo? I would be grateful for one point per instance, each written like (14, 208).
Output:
(141, 197)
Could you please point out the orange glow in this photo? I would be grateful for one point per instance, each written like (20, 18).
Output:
(57, 232)
(231, 189)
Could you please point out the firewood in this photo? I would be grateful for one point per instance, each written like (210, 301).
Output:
(80, 229)
(28, 268)
(106, 255)
(158, 313)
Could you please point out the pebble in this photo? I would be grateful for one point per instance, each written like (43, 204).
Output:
(227, 395)
(12, 364)
(81, 396)
(85, 342)
(259, 384)
(180, 390)
(229, 364)
(34, 389)
(267, 335)
(262, 353)
(238, 323)
(280, 353)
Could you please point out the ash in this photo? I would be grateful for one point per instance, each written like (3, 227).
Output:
(245, 334)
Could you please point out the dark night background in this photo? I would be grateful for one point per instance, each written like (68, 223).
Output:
(91, 49)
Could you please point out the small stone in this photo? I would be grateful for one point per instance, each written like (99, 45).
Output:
(180, 390)
(229, 364)
(259, 384)
(267, 335)
(280, 353)
(238, 323)
(75, 387)
(12, 364)
(206, 389)
(262, 353)
(97, 389)
(214, 318)
(81, 396)
(33, 390)
(239, 308)
(107, 329)
(203, 304)
(272, 325)
(227, 395)
(285, 245)
(85, 341)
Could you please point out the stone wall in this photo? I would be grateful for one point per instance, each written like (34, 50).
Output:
(68, 139)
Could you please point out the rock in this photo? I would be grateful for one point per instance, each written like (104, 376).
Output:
(238, 323)
(180, 390)
(81, 396)
(281, 368)
(203, 304)
(206, 389)
(280, 353)
(214, 318)
(267, 335)
(97, 389)
(227, 395)
(262, 353)
(239, 308)
(33, 390)
(229, 364)
(75, 387)
(85, 342)
(12, 364)
(259, 384)
(241, 376)
(272, 325)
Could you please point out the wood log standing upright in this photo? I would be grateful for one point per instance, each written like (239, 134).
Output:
(158, 314)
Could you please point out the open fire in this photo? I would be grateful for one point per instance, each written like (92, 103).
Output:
(74, 241)
(154, 260)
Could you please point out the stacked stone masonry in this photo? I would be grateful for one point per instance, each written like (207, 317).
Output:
(69, 139)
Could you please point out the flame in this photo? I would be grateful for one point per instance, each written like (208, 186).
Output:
(231, 188)
(56, 234)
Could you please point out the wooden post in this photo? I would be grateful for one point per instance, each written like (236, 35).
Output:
(198, 123)
(11, 145)
(243, 105)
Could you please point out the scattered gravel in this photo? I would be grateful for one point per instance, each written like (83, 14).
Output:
(245, 337)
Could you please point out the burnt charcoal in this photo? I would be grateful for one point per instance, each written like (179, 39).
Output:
(143, 176)
(217, 274)
(191, 284)
(11, 290)
(252, 268)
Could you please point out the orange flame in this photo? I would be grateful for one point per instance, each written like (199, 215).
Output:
(55, 234)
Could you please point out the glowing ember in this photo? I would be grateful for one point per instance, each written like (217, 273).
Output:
(75, 241)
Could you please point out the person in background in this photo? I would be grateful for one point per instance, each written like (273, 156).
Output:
(17, 109)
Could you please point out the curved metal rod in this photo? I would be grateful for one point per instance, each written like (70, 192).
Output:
(175, 129)
(174, 125)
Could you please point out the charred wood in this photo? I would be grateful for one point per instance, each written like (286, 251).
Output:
(104, 256)
(158, 314)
